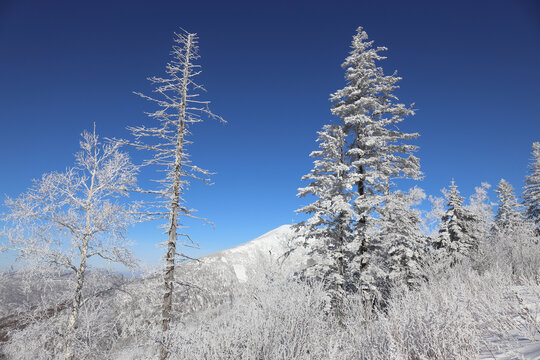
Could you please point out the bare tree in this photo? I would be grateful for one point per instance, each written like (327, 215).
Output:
(68, 217)
(179, 108)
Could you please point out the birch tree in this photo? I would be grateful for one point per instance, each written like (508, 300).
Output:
(67, 218)
(179, 108)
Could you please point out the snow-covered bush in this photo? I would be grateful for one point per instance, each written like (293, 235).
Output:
(448, 317)
(281, 321)
(455, 314)
(519, 252)
(32, 288)
(38, 300)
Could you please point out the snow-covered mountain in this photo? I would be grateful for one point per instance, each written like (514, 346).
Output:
(270, 251)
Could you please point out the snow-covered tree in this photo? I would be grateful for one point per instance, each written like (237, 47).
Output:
(531, 191)
(402, 239)
(179, 109)
(375, 149)
(432, 217)
(68, 217)
(509, 215)
(514, 242)
(329, 228)
(482, 210)
(373, 153)
(457, 237)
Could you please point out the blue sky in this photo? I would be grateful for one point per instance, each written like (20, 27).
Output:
(471, 68)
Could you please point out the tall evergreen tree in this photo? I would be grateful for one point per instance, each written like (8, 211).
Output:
(372, 152)
(456, 238)
(369, 113)
(531, 191)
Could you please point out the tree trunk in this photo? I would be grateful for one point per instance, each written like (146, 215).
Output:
(171, 246)
(341, 286)
(362, 223)
(75, 305)
(169, 281)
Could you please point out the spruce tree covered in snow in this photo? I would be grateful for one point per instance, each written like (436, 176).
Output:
(179, 109)
(531, 191)
(332, 215)
(509, 216)
(373, 153)
(402, 239)
(375, 149)
(457, 238)
(69, 217)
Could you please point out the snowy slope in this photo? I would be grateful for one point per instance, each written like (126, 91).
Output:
(266, 251)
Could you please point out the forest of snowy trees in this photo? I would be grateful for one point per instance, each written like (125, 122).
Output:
(369, 273)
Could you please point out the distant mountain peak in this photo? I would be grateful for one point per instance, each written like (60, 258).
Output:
(243, 260)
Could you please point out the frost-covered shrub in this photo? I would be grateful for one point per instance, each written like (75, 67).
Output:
(449, 317)
(517, 252)
(455, 314)
(274, 320)
(32, 288)
(38, 306)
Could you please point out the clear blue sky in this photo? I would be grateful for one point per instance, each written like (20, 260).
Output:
(471, 67)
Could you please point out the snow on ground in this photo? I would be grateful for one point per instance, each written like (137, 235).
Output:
(520, 348)
(524, 344)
